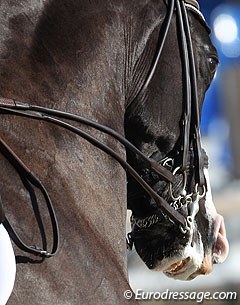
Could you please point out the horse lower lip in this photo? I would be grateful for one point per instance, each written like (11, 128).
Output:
(178, 266)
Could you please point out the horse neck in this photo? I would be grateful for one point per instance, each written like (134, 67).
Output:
(64, 62)
(87, 187)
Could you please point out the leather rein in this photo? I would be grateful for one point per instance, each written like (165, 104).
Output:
(190, 126)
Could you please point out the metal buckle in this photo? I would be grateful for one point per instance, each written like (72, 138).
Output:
(129, 241)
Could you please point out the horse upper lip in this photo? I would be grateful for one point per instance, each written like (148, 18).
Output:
(177, 267)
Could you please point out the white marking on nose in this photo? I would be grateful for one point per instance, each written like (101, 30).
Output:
(209, 205)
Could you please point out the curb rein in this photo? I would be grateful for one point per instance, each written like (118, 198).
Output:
(190, 126)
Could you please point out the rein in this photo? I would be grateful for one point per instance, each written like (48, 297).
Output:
(190, 123)
(190, 131)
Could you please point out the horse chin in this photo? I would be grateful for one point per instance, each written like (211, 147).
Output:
(184, 265)
(184, 257)
(180, 257)
(177, 256)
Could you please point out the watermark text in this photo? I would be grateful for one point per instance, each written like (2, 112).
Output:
(198, 296)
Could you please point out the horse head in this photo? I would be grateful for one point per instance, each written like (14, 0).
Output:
(92, 58)
(153, 124)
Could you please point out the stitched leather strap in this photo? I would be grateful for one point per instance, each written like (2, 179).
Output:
(176, 216)
(31, 181)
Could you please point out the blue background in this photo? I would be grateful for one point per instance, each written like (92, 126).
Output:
(213, 114)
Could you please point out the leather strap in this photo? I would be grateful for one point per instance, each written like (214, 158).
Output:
(38, 111)
(192, 113)
(31, 181)
(176, 216)
(194, 3)
(191, 130)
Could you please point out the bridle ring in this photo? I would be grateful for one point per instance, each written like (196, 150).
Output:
(183, 191)
(200, 196)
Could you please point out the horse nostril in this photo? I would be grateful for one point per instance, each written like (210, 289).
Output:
(215, 260)
(221, 246)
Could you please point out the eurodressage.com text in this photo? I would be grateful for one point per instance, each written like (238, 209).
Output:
(167, 295)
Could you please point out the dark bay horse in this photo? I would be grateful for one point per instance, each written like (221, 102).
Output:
(89, 58)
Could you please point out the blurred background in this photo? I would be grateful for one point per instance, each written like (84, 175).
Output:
(221, 139)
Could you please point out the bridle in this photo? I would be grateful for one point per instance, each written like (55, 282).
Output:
(191, 138)
(190, 130)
